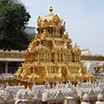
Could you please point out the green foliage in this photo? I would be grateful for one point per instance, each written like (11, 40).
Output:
(13, 19)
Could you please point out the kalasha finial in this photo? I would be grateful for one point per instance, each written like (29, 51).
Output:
(50, 9)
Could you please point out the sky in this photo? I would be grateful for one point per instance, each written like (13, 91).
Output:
(84, 20)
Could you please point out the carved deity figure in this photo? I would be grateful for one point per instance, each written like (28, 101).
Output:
(39, 21)
(19, 72)
(45, 22)
(25, 73)
(56, 20)
(26, 96)
(44, 34)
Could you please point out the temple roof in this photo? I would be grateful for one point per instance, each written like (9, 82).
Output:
(50, 15)
(50, 19)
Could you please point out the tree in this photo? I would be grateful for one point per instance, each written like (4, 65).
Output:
(13, 19)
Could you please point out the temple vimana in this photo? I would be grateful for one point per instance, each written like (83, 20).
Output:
(50, 57)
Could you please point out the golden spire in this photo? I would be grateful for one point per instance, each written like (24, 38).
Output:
(50, 9)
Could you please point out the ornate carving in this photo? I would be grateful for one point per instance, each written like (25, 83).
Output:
(50, 56)
(56, 20)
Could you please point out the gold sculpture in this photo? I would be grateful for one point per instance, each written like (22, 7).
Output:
(50, 56)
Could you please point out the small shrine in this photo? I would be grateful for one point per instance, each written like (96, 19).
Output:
(50, 57)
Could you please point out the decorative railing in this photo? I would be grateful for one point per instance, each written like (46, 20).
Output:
(12, 54)
(92, 57)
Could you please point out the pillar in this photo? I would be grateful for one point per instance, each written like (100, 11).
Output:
(6, 67)
(0, 67)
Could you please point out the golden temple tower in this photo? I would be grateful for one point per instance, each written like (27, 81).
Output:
(50, 56)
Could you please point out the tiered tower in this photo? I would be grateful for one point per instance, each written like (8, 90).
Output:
(50, 56)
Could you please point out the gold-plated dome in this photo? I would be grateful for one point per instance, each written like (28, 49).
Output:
(50, 19)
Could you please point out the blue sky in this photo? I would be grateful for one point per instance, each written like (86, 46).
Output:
(84, 19)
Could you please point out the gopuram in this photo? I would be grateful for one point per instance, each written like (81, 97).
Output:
(50, 57)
